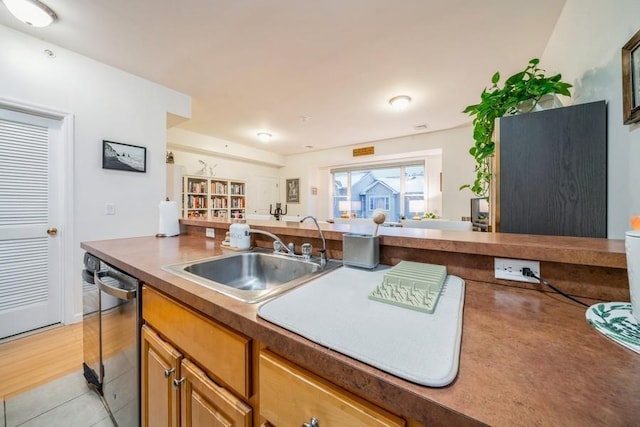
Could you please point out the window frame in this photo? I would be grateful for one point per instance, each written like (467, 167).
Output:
(359, 168)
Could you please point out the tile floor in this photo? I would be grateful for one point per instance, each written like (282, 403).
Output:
(65, 402)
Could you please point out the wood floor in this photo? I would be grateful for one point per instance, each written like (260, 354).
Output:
(36, 359)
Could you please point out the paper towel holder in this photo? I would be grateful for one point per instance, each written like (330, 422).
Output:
(166, 200)
(169, 224)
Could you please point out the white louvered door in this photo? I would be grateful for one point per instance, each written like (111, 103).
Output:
(30, 252)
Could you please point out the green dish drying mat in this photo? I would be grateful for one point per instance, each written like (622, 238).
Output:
(412, 285)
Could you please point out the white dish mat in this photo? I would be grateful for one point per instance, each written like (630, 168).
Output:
(334, 311)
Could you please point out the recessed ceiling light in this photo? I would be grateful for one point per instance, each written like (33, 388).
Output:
(264, 136)
(31, 12)
(400, 102)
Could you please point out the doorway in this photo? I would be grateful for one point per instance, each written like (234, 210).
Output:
(263, 195)
(32, 193)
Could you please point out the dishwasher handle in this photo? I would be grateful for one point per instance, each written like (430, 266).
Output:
(124, 294)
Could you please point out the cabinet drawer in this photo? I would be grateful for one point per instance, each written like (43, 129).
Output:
(222, 353)
(204, 403)
(291, 396)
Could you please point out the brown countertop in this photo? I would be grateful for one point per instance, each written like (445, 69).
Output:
(571, 250)
(527, 357)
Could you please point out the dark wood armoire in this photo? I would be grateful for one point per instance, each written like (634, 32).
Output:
(552, 173)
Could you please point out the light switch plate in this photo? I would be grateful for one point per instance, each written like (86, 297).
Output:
(109, 209)
(210, 232)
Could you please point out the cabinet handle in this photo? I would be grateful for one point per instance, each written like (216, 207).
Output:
(313, 422)
(168, 372)
(176, 383)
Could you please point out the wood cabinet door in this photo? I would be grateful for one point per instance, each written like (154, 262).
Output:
(223, 353)
(291, 396)
(203, 403)
(159, 367)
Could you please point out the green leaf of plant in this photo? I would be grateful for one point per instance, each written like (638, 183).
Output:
(495, 102)
(517, 77)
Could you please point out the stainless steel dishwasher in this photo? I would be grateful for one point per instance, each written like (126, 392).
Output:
(111, 339)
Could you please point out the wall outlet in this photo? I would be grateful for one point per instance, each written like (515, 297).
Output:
(210, 232)
(511, 269)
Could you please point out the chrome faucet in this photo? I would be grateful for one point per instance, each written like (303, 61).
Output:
(278, 244)
(323, 251)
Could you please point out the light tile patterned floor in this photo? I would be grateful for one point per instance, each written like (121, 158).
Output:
(65, 402)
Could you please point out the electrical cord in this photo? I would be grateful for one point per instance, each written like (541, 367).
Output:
(526, 271)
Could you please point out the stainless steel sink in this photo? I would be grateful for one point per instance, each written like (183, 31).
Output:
(251, 276)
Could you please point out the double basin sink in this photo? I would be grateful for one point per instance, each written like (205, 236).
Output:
(252, 276)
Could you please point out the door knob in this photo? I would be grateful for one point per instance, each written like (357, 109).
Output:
(52, 231)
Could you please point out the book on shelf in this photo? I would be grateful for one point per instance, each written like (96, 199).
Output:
(196, 186)
(237, 189)
(218, 187)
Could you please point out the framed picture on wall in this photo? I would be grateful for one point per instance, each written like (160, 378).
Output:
(631, 80)
(293, 190)
(124, 157)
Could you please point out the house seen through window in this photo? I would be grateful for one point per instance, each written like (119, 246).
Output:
(358, 192)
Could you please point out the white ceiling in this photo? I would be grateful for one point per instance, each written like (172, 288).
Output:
(263, 65)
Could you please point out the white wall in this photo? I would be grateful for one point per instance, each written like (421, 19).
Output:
(106, 104)
(585, 46)
(231, 169)
(259, 168)
(184, 140)
(457, 169)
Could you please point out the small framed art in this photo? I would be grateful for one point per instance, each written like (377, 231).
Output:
(631, 80)
(124, 157)
(293, 190)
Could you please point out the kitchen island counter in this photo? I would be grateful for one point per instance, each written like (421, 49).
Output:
(527, 357)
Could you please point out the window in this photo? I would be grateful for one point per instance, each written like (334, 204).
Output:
(390, 188)
(379, 202)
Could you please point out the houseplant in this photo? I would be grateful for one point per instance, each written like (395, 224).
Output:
(495, 102)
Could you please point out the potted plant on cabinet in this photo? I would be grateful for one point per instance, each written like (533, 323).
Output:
(521, 93)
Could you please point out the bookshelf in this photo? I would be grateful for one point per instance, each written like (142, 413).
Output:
(213, 197)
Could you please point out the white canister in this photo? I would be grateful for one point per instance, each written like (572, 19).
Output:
(233, 235)
(243, 237)
(632, 246)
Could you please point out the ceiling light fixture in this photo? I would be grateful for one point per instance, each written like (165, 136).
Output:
(400, 102)
(31, 12)
(264, 136)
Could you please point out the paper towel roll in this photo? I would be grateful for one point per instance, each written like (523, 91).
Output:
(169, 217)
